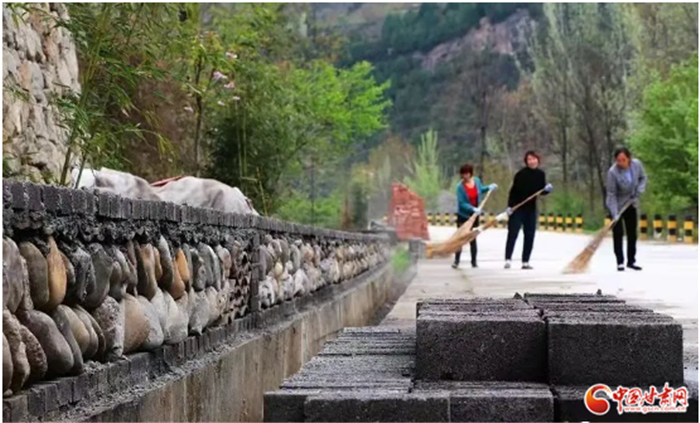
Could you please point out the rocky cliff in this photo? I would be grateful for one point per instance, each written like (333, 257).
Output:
(39, 65)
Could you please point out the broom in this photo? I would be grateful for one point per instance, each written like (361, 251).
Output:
(454, 244)
(466, 227)
(581, 262)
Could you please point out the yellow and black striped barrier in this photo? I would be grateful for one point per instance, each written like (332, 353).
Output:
(579, 223)
(643, 227)
(542, 222)
(672, 226)
(550, 222)
(569, 221)
(560, 223)
(688, 227)
(658, 226)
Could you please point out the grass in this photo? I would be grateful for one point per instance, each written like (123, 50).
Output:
(400, 259)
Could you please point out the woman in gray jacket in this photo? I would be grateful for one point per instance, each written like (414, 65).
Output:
(626, 182)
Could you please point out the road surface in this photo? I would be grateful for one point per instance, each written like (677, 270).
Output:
(667, 284)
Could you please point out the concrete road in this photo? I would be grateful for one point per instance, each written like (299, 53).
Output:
(667, 284)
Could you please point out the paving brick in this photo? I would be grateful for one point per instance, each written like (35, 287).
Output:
(286, 405)
(15, 409)
(592, 298)
(611, 349)
(590, 307)
(376, 406)
(481, 347)
(501, 402)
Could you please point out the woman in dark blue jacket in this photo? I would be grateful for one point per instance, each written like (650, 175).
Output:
(469, 195)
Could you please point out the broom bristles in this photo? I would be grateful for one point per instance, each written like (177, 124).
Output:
(582, 261)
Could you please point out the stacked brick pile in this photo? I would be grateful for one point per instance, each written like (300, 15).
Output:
(407, 213)
(528, 358)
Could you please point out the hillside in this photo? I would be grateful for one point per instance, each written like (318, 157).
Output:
(433, 54)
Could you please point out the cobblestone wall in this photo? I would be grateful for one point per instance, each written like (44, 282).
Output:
(90, 278)
(39, 62)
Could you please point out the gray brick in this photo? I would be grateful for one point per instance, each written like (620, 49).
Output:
(33, 192)
(115, 207)
(81, 387)
(285, 405)
(64, 387)
(50, 197)
(481, 347)
(103, 204)
(77, 201)
(633, 351)
(118, 373)
(90, 203)
(140, 367)
(15, 409)
(42, 398)
(377, 407)
(19, 198)
(502, 403)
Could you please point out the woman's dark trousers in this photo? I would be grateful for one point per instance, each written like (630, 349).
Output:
(629, 222)
(527, 220)
(472, 245)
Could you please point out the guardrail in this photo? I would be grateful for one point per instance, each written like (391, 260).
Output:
(661, 229)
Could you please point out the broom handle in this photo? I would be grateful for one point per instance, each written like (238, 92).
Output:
(619, 214)
(522, 203)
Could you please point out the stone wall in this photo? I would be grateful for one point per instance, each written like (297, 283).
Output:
(91, 279)
(39, 63)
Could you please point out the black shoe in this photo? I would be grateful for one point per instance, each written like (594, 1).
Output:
(620, 268)
(455, 265)
(474, 265)
(634, 267)
(526, 266)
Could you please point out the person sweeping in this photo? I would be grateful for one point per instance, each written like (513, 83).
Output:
(469, 194)
(625, 183)
(527, 181)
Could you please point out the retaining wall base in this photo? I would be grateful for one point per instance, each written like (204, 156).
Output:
(228, 384)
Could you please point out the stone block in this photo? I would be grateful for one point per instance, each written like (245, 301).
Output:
(615, 350)
(15, 409)
(481, 347)
(377, 406)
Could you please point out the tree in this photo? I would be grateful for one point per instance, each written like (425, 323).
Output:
(425, 174)
(666, 135)
(288, 113)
